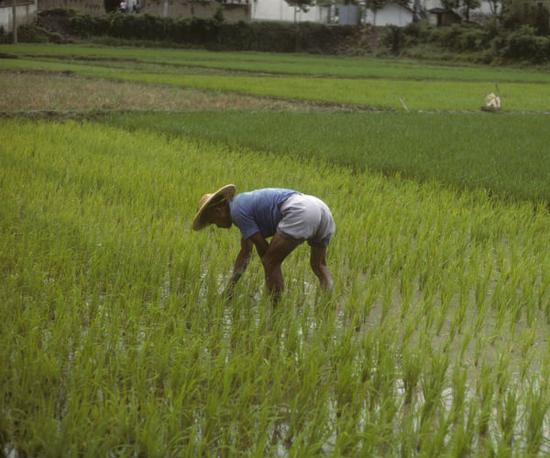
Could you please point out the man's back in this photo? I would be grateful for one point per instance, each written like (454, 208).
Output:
(259, 210)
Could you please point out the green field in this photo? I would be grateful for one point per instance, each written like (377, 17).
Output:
(505, 156)
(116, 340)
(378, 85)
(303, 64)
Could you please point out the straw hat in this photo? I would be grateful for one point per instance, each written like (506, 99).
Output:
(224, 193)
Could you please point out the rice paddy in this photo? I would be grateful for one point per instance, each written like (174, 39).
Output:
(399, 87)
(116, 340)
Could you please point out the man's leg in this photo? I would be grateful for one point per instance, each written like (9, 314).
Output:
(318, 264)
(279, 248)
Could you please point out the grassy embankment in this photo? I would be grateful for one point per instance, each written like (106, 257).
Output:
(115, 339)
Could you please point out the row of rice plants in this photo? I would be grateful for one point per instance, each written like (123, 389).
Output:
(504, 155)
(115, 340)
(303, 64)
(402, 95)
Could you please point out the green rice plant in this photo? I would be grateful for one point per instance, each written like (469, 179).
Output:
(433, 381)
(507, 418)
(485, 392)
(462, 442)
(412, 370)
(505, 160)
(372, 93)
(303, 64)
(113, 317)
(538, 405)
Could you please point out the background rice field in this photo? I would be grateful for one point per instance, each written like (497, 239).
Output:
(358, 82)
(116, 342)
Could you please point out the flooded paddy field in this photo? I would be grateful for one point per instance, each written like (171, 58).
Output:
(116, 341)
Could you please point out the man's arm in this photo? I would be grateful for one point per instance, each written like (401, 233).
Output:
(260, 243)
(241, 263)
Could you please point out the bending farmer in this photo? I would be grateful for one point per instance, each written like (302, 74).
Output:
(288, 216)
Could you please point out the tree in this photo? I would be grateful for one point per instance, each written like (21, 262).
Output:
(470, 5)
(450, 4)
(495, 6)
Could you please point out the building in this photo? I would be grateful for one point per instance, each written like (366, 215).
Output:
(233, 10)
(442, 17)
(280, 10)
(25, 13)
(390, 14)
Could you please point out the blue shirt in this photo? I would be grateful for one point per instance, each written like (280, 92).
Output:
(258, 211)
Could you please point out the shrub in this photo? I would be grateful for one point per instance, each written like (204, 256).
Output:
(472, 39)
(523, 44)
(32, 34)
(85, 25)
(214, 33)
(448, 37)
(394, 39)
(418, 32)
(236, 36)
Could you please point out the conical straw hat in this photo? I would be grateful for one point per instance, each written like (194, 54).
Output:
(224, 193)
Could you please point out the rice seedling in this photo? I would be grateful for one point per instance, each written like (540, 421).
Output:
(116, 340)
(499, 156)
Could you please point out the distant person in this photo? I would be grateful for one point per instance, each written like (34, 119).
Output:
(288, 216)
(123, 7)
(492, 103)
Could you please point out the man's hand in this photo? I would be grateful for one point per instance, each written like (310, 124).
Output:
(241, 263)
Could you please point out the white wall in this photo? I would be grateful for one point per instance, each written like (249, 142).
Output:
(25, 13)
(391, 14)
(279, 10)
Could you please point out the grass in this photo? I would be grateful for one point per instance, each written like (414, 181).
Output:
(293, 64)
(377, 93)
(505, 155)
(115, 339)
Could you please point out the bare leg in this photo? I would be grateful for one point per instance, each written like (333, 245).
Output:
(279, 248)
(319, 266)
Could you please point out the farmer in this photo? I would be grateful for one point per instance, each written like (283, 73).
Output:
(288, 216)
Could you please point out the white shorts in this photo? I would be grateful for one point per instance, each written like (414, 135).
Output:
(306, 218)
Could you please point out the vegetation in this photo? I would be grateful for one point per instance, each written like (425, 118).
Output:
(74, 96)
(181, 60)
(396, 94)
(515, 32)
(490, 44)
(212, 33)
(116, 340)
(505, 156)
